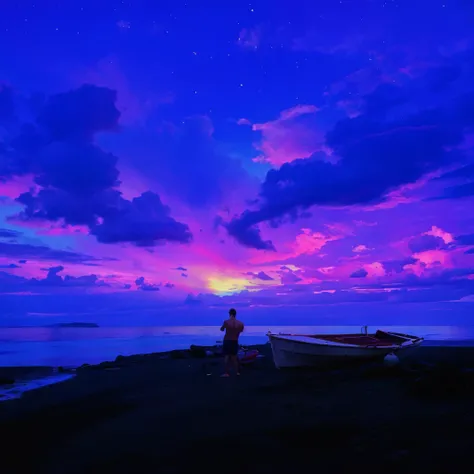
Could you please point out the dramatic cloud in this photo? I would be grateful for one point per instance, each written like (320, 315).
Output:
(143, 221)
(236, 173)
(378, 152)
(77, 179)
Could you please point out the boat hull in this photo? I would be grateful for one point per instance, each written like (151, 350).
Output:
(288, 353)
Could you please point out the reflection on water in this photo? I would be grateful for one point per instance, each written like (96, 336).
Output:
(75, 346)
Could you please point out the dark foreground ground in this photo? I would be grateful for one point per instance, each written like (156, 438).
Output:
(150, 414)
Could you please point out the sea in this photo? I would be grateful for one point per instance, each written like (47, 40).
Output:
(71, 347)
(74, 346)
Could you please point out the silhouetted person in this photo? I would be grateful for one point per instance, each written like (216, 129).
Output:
(232, 327)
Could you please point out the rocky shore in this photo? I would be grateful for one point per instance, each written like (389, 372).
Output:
(172, 413)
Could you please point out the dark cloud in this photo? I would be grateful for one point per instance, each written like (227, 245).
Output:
(380, 150)
(144, 286)
(184, 275)
(169, 285)
(9, 282)
(9, 234)
(192, 300)
(260, 276)
(423, 243)
(80, 113)
(456, 277)
(288, 276)
(77, 179)
(469, 252)
(54, 279)
(244, 229)
(144, 221)
(10, 265)
(361, 273)
(41, 252)
(396, 266)
(181, 269)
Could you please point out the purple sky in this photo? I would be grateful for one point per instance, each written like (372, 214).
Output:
(305, 162)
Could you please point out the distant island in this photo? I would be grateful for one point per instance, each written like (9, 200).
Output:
(73, 325)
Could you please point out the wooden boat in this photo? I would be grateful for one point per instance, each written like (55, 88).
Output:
(303, 350)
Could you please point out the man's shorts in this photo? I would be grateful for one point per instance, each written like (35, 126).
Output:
(230, 348)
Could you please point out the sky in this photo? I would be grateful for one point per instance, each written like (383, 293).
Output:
(303, 161)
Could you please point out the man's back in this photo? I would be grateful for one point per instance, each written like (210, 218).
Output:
(233, 328)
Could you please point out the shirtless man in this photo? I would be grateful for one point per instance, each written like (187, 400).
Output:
(232, 327)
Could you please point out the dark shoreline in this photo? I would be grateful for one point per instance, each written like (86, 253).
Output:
(169, 412)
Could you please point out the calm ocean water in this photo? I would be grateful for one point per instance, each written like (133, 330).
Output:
(76, 346)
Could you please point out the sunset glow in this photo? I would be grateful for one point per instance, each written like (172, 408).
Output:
(181, 160)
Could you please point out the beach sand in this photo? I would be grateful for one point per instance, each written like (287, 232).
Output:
(162, 413)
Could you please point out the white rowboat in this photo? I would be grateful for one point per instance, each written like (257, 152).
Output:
(302, 350)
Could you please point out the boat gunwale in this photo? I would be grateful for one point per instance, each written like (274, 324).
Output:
(409, 341)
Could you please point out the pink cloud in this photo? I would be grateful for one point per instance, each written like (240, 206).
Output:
(326, 270)
(437, 232)
(428, 261)
(306, 242)
(360, 248)
(432, 258)
(374, 269)
(403, 246)
(15, 186)
(291, 136)
(309, 242)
